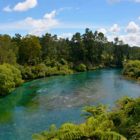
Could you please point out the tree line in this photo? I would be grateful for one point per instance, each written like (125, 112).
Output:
(36, 57)
(90, 48)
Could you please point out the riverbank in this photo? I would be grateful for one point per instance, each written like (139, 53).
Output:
(12, 76)
(29, 73)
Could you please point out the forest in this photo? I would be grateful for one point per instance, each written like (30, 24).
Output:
(24, 58)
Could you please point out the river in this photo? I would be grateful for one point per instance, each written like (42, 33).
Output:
(36, 105)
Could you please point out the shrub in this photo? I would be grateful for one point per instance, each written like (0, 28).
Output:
(122, 123)
(63, 62)
(65, 70)
(51, 71)
(132, 69)
(26, 72)
(10, 77)
(61, 70)
(33, 72)
(81, 68)
(51, 63)
(39, 70)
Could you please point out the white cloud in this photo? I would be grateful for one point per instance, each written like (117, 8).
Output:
(40, 26)
(132, 27)
(131, 34)
(7, 9)
(131, 39)
(102, 30)
(33, 26)
(50, 15)
(137, 0)
(46, 23)
(115, 28)
(66, 35)
(22, 6)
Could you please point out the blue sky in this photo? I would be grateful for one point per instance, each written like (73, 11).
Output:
(64, 17)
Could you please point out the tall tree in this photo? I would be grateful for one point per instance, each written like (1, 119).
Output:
(7, 50)
(29, 50)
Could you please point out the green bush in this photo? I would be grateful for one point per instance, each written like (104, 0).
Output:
(51, 63)
(26, 72)
(65, 70)
(51, 71)
(61, 70)
(81, 68)
(63, 62)
(39, 70)
(132, 69)
(10, 77)
(122, 123)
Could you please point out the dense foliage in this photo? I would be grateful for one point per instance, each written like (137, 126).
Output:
(81, 68)
(37, 57)
(90, 49)
(10, 77)
(41, 70)
(132, 69)
(122, 123)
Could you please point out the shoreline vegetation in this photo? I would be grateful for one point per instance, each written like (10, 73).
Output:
(121, 123)
(24, 58)
(132, 69)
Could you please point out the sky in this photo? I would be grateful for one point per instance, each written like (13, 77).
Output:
(115, 18)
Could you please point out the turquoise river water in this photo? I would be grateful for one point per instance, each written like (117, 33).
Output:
(36, 105)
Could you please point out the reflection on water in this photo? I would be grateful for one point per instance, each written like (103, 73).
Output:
(38, 104)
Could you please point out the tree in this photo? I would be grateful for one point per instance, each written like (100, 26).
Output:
(77, 49)
(93, 43)
(121, 52)
(8, 50)
(29, 50)
(49, 46)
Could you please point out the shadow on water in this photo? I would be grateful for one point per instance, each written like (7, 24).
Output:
(18, 98)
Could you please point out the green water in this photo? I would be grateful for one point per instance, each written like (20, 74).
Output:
(36, 105)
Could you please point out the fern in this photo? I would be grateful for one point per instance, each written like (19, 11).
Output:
(101, 124)
(101, 135)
